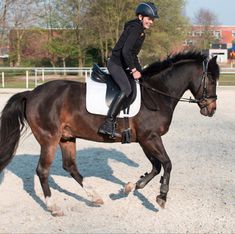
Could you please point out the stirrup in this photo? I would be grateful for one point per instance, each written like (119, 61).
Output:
(111, 135)
(109, 130)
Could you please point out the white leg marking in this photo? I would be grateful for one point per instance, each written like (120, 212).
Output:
(92, 194)
(53, 208)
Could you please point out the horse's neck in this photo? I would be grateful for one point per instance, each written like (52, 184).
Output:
(177, 83)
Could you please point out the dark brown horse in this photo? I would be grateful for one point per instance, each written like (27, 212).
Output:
(56, 113)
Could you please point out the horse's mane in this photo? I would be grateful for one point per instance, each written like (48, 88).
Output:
(160, 66)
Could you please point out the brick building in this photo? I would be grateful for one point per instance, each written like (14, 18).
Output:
(224, 48)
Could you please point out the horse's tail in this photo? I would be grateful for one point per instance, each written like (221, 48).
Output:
(12, 122)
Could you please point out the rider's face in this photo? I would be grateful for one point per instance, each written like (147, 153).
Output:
(147, 21)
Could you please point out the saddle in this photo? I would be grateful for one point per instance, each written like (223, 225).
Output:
(100, 92)
(100, 76)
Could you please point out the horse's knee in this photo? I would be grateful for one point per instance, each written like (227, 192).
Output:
(42, 172)
(69, 166)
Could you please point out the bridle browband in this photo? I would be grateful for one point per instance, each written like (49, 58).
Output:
(202, 101)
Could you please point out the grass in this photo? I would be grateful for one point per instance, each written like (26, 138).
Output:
(227, 79)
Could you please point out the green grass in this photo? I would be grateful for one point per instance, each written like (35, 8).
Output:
(227, 79)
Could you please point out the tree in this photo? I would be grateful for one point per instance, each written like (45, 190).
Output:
(70, 15)
(105, 22)
(93, 25)
(107, 19)
(19, 20)
(206, 19)
(4, 30)
(63, 45)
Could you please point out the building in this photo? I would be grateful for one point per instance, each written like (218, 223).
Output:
(4, 54)
(224, 36)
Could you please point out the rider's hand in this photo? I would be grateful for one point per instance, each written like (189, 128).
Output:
(136, 74)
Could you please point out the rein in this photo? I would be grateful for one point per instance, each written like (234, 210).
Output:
(190, 100)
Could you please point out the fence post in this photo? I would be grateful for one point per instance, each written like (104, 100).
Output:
(36, 78)
(27, 79)
(3, 80)
(43, 75)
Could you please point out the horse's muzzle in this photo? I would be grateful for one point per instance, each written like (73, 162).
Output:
(208, 107)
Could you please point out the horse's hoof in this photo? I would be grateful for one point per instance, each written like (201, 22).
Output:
(57, 213)
(98, 202)
(128, 187)
(161, 202)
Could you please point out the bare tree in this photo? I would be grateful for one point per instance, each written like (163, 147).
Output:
(207, 20)
(22, 14)
(4, 8)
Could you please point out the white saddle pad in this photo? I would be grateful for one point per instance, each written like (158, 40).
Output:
(95, 99)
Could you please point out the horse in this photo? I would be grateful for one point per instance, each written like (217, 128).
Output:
(56, 114)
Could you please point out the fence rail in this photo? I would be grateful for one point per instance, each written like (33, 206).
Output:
(33, 76)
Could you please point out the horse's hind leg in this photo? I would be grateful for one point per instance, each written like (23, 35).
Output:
(68, 148)
(44, 164)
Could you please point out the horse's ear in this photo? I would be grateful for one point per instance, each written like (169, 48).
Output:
(214, 59)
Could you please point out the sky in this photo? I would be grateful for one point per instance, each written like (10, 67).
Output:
(223, 9)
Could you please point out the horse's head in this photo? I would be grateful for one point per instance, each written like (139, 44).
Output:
(205, 92)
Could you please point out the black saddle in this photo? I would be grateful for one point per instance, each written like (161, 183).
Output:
(113, 89)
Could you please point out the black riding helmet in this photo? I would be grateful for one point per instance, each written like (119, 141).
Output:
(147, 9)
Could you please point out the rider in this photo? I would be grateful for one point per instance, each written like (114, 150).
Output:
(124, 57)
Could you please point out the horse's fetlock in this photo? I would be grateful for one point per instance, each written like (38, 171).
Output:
(140, 185)
(164, 188)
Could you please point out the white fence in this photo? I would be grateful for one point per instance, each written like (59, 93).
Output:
(39, 75)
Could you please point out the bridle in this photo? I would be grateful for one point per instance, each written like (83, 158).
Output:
(204, 101)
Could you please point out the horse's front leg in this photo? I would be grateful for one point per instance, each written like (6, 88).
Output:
(154, 145)
(147, 177)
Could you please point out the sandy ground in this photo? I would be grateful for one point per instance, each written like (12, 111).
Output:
(202, 188)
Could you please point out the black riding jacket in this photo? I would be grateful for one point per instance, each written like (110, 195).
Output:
(128, 46)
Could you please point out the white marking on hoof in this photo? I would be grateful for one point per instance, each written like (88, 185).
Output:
(53, 208)
(129, 187)
(92, 194)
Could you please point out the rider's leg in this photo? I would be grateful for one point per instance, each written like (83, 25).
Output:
(120, 77)
(109, 126)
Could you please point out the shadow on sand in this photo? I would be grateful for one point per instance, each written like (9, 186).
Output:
(90, 161)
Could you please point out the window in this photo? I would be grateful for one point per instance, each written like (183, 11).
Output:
(190, 43)
(217, 34)
(197, 33)
(233, 33)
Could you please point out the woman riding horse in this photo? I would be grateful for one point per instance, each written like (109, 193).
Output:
(57, 115)
(123, 58)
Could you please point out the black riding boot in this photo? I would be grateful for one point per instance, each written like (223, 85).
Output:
(109, 126)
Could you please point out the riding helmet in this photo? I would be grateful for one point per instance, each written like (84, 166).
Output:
(147, 9)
